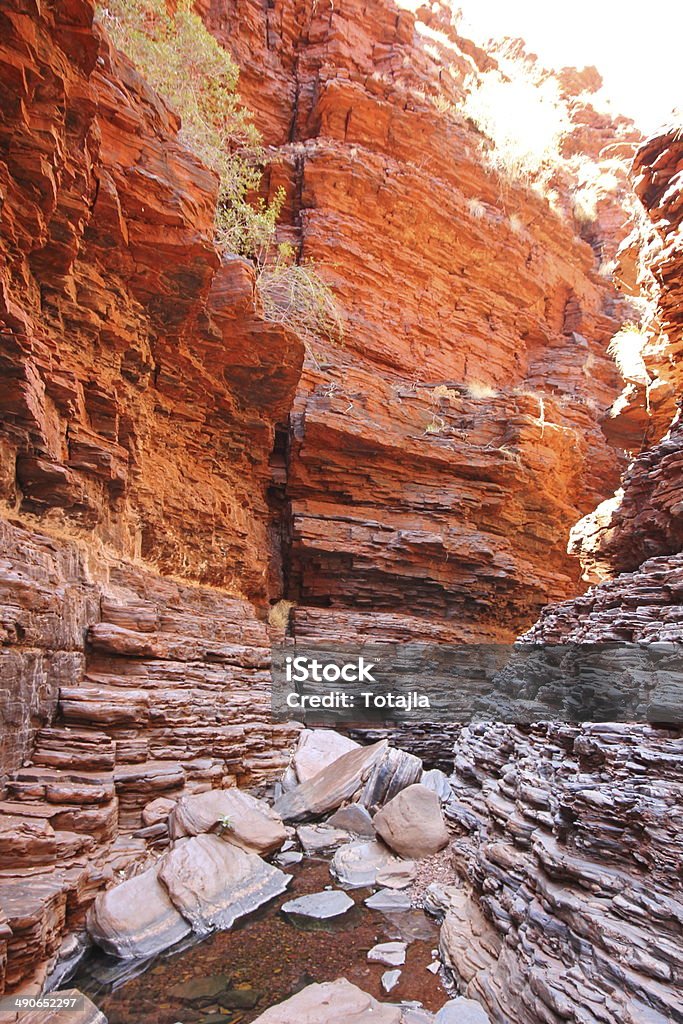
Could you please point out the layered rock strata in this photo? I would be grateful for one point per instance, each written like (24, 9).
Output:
(439, 454)
(570, 843)
(141, 394)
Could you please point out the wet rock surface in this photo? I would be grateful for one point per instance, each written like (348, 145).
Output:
(319, 904)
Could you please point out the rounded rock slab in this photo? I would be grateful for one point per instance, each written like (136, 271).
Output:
(334, 1002)
(319, 905)
(357, 864)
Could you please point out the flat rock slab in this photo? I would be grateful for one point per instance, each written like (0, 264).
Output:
(318, 748)
(393, 954)
(397, 876)
(201, 990)
(389, 901)
(319, 838)
(462, 1011)
(390, 979)
(357, 864)
(213, 883)
(320, 905)
(287, 859)
(412, 823)
(331, 787)
(87, 1012)
(353, 818)
(136, 918)
(334, 1002)
(251, 824)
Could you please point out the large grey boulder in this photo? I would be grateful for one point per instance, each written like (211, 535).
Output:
(331, 787)
(357, 864)
(213, 883)
(136, 918)
(412, 823)
(391, 773)
(334, 1002)
(250, 823)
(462, 1011)
(318, 748)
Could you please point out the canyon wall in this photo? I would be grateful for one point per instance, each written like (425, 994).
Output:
(142, 392)
(570, 838)
(172, 461)
(439, 455)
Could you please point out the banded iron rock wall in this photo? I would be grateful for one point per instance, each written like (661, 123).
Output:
(570, 839)
(152, 419)
(439, 456)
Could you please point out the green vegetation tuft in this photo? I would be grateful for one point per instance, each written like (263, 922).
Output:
(186, 65)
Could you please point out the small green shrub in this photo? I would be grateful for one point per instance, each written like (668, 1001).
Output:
(188, 67)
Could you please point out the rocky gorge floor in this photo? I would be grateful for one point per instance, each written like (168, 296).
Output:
(336, 914)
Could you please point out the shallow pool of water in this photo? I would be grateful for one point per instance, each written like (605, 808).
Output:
(265, 959)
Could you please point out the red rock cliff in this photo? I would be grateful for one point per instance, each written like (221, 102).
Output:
(434, 461)
(438, 458)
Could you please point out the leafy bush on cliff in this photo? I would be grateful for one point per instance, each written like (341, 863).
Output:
(188, 67)
(198, 79)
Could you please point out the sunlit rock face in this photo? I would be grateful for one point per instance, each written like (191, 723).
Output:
(439, 456)
(166, 470)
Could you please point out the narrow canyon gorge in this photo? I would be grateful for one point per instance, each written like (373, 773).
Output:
(462, 462)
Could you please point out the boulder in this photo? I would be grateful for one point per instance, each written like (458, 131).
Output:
(319, 905)
(319, 838)
(462, 1011)
(353, 818)
(85, 1011)
(331, 787)
(213, 883)
(251, 824)
(136, 918)
(333, 1002)
(357, 864)
(438, 781)
(318, 748)
(392, 954)
(391, 773)
(412, 823)
(157, 811)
